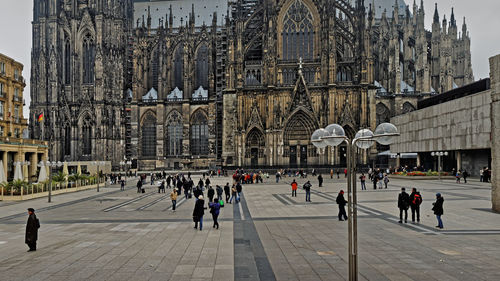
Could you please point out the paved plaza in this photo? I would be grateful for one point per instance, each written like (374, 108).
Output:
(123, 235)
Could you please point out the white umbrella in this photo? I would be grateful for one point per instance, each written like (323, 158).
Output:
(42, 177)
(18, 172)
(65, 171)
(3, 178)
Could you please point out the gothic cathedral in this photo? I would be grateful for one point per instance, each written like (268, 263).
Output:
(244, 83)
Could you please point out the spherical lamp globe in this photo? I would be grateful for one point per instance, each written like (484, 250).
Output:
(364, 144)
(336, 135)
(317, 136)
(386, 133)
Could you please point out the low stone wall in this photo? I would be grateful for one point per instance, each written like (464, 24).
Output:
(6, 197)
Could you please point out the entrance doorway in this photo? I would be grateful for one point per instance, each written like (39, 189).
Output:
(254, 157)
(303, 155)
(293, 156)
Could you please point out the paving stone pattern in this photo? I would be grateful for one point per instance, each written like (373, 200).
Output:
(123, 235)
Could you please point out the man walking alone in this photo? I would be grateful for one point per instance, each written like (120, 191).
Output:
(32, 227)
(173, 197)
(341, 202)
(403, 204)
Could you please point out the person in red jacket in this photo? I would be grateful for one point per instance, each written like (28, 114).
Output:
(294, 188)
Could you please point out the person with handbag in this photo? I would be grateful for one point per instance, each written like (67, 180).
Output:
(198, 212)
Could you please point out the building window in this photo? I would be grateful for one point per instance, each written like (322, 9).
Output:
(174, 134)
(16, 113)
(199, 134)
(87, 136)
(155, 60)
(202, 67)
(179, 67)
(88, 59)
(67, 140)
(2, 67)
(1, 131)
(149, 136)
(2, 105)
(298, 33)
(16, 133)
(67, 62)
(16, 74)
(1, 90)
(16, 94)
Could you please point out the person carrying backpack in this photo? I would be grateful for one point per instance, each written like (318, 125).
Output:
(307, 187)
(415, 201)
(341, 202)
(403, 204)
(215, 210)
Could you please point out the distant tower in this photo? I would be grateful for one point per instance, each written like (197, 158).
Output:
(77, 78)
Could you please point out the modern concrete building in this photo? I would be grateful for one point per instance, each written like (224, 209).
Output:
(457, 122)
(495, 130)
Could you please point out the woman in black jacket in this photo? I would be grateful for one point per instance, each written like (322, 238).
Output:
(438, 209)
(198, 212)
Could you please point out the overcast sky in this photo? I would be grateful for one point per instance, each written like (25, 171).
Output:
(482, 17)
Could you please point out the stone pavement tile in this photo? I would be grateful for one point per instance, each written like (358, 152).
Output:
(184, 269)
(223, 274)
(160, 276)
(117, 262)
(203, 272)
(83, 273)
(101, 274)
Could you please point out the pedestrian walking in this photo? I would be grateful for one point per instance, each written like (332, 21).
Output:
(122, 185)
(234, 195)
(210, 194)
(219, 191)
(465, 175)
(386, 180)
(331, 173)
(307, 187)
(362, 178)
(481, 174)
(345, 172)
(457, 176)
(32, 227)
(374, 180)
(415, 201)
(215, 210)
(227, 191)
(198, 212)
(173, 197)
(294, 188)
(278, 176)
(239, 188)
(320, 180)
(139, 186)
(403, 204)
(161, 187)
(338, 173)
(341, 202)
(438, 209)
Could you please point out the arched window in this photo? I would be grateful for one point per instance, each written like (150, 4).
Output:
(148, 135)
(179, 67)
(383, 114)
(174, 134)
(67, 140)
(155, 60)
(298, 33)
(67, 62)
(199, 134)
(88, 59)
(202, 67)
(87, 136)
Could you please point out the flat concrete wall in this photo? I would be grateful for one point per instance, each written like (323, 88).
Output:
(461, 124)
(495, 118)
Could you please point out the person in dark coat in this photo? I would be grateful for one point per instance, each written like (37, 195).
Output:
(215, 210)
(210, 194)
(207, 182)
(403, 204)
(198, 212)
(239, 188)
(320, 180)
(219, 191)
(139, 186)
(438, 209)
(415, 201)
(341, 202)
(32, 227)
(227, 192)
(307, 187)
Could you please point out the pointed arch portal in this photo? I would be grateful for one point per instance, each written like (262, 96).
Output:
(296, 137)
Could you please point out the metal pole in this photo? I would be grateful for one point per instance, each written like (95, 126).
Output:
(349, 211)
(439, 167)
(98, 178)
(50, 183)
(354, 215)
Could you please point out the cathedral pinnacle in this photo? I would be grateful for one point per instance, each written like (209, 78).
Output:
(436, 14)
(452, 19)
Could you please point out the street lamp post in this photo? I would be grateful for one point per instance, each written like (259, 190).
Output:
(99, 163)
(334, 135)
(52, 165)
(439, 154)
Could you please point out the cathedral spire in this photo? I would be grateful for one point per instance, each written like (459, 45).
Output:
(464, 29)
(171, 17)
(436, 14)
(452, 19)
(149, 18)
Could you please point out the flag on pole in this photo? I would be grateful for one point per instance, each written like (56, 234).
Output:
(40, 117)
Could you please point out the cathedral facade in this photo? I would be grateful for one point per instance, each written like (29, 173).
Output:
(176, 84)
